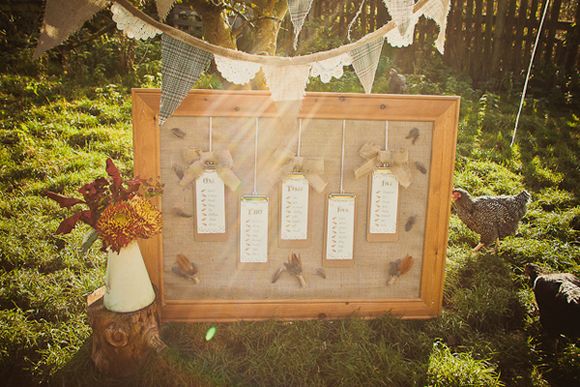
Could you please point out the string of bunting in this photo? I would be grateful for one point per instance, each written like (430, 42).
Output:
(185, 57)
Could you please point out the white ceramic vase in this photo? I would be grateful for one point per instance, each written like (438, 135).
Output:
(127, 281)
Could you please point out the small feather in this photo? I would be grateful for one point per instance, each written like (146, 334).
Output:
(320, 271)
(185, 268)
(410, 223)
(420, 167)
(413, 135)
(277, 274)
(178, 169)
(180, 212)
(178, 132)
(394, 267)
(405, 265)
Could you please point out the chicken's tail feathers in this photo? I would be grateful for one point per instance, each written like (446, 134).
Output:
(524, 197)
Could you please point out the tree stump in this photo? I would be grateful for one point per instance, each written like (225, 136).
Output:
(122, 341)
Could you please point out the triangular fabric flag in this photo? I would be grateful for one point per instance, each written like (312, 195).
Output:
(330, 68)
(236, 71)
(163, 8)
(395, 39)
(438, 10)
(401, 12)
(181, 66)
(131, 25)
(286, 83)
(298, 11)
(365, 60)
(62, 18)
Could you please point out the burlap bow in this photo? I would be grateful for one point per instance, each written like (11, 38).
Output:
(397, 161)
(311, 168)
(200, 161)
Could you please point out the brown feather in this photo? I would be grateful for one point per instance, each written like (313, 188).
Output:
(405, 265)
(186, 268)
(178, 132)
(277, 274)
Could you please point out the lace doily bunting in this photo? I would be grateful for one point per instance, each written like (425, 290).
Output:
(236, 71)
(132, 26)
(437, 10)
(329, 68)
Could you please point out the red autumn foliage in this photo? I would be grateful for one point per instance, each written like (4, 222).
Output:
(99, 194)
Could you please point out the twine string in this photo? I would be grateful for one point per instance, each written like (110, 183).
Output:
(386, 135)
(342, 157)
(257, 131)
(299, 145)
(210, 134)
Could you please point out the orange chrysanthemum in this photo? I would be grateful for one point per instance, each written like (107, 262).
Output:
(149, 215)
(123, 222)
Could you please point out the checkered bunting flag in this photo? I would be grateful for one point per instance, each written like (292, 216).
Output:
(181, 66)
(298, 11)
(365, 60)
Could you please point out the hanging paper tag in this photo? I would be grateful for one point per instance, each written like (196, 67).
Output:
(210, 203)
(294, 208)
(383, 202)
(254, 229)
(340, 227)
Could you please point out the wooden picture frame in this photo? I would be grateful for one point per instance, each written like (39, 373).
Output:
(441, 112)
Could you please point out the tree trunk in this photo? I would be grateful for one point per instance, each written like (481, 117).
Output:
(267, 22)
(122, 341)
(214, 27)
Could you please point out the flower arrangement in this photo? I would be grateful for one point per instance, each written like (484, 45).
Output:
(118, 210)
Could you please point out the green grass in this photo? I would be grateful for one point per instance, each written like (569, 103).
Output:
(56, 134)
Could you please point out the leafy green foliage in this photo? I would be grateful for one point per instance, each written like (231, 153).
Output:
(459, 369)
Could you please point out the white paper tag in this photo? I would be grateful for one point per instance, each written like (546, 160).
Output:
(210, 203)
(294, 208)
(340, 227)
(254, 229)
(384, 201)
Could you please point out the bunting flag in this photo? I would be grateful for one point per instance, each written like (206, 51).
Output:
(183, 62)
(298, 11)
(401, 12)
(236, 71)
(163, 8)
(365, 60)
(132, 26)
(181, 65)
(286, 83)
(395, 39)
(62, 18)
(330, 68)
(437, 10)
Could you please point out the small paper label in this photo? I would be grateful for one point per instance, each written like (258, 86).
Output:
(340, 227)
(210, 203)
(294, 208)
(384, 201)
(254, 229)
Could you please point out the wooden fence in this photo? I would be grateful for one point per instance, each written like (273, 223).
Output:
(485, 38)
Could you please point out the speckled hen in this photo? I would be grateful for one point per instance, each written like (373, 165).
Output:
(492, 217)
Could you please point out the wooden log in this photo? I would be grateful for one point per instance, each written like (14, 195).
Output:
(122, 341)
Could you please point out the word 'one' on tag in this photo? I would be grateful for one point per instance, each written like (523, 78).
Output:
(384, 197)
(254, 229)
(340, 220)
(210, 211)
(294, 208)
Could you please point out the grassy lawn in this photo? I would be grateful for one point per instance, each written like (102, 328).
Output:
(55, 133)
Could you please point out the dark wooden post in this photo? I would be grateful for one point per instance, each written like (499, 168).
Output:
(498, 37)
